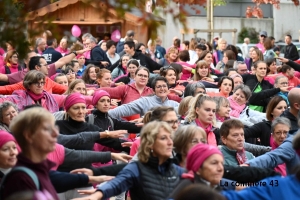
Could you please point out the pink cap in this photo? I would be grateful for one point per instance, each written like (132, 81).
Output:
(79, 55)
(7, 137)
(198, 154)
(98, 95)
(73, 99)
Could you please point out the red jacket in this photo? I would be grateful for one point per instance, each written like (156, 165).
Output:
(50, 86)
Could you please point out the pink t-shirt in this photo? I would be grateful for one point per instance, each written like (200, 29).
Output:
(135, 146)
(261, 47)
(87, 54)
(185, 73)
(57, 156)
(62, 51)
(1, 61)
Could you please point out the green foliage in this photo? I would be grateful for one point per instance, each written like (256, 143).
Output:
(250, 33)
(219, 2)
(14, 28)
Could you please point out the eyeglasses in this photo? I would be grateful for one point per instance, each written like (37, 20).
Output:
(280, 133)
(124, 59)
(39, 84)
(161, 86)
(173, 122)
(14, 56)
(167, 67)
(142, 76)
(263, 36)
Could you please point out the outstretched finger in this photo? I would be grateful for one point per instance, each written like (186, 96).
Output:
(86, 191)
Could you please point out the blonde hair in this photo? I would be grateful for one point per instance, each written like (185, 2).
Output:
(171, 50)
(29, 121)
(200, 63)
(148, 136)
(184, 105)
(72, 86)
(197, 101)
(183, 137)
(221, 40)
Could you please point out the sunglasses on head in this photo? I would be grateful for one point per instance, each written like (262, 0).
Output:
(167, 67)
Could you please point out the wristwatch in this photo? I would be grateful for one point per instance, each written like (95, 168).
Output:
(107, 133)
(74, 53)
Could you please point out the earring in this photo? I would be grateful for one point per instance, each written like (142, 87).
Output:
(151, 150)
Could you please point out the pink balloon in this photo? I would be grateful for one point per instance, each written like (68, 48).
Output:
(116, 35)
(76, 32)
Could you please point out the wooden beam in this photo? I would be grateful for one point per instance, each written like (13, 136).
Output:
(82, 22)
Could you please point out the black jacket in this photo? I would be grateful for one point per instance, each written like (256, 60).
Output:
(291, 52)
(187, 182)
(98, 55)
(260, 130)
(70, 127)
(294, 121)
(146, 61)
(155, 184)
(294, 65)
(51, 55)
(247, 174)
(101, 120)
(263, 97)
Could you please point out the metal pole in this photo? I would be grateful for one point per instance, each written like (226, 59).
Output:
(208, 11)
(212, 20)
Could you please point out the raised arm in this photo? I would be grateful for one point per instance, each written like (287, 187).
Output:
(78, 140)
(115, 92)
(4, 78)
(84, 157)
(283, 154)
(134, 107)
(68, 58)
(9, 89)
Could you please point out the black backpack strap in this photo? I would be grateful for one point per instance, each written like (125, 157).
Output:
(7, 70)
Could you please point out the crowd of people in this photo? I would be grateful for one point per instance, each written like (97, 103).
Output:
(97, 119)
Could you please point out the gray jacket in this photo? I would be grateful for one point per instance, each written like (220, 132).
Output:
(79, 140)
(73, 157)
(283, 154)
(140, 106)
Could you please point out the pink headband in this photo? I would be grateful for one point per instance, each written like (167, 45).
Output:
(198, 154)
(73, 99)
(7, 137)
(98, 95)
(79, 55)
